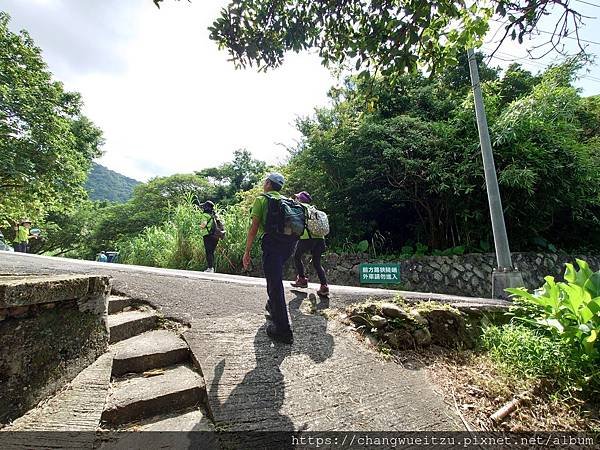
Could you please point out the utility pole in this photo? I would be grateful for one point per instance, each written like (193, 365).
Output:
(506, 275)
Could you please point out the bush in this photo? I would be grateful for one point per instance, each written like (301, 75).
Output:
(153, 247)
(570, 311)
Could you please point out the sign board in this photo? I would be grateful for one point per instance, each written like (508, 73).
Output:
(379, 273)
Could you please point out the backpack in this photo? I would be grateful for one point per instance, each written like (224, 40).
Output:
(317, 222)
(284, 216)
(218, 228)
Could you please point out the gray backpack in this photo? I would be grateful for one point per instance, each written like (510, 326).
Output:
(317, 222)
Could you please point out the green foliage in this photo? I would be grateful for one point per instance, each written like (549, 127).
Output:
(388, 37)
(548, 174)
(151, 204)
(402, 160)
(241, 174)
(105, 184)
(69, 234)
(152, 247)
(570, 311)
(589, 117)
(46, 144)
(524, 352)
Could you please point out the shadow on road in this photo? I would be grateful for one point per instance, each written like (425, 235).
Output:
(257, 400)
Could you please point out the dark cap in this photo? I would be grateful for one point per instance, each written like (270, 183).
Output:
(303, 197)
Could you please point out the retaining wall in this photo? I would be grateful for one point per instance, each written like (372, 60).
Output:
(51, 328)
(468, 275)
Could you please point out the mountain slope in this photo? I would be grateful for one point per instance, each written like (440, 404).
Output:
(106, 184)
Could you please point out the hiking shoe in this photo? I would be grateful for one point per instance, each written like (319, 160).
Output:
(301, 282)
(210, 270)
(284, 338)
(323, 290)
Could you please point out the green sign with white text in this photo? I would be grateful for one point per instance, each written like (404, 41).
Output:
(379, 273)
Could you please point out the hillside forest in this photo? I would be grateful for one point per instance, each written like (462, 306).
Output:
(106, 184)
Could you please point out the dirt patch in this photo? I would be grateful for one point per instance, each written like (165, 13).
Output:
(476, 389)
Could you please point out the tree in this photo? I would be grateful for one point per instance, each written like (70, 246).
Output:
(549, 172)
(239, 175)
(387, 36)
(46, 144)
(516, 82)
(105, 184)
(150, 205)
(403, 159)
(70, 234)
(589, 116)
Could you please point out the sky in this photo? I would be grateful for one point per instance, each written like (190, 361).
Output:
(167, 99)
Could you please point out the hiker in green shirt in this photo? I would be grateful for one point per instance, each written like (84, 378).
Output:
(22, 236)
(207, 231)
(276, 249)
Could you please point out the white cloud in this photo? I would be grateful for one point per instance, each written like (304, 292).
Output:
(176, 104)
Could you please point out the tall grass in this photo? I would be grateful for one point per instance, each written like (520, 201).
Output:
(153, 247)
(178, 244)
(521, 351)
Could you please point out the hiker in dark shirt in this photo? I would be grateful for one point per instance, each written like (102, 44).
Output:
(313, 244)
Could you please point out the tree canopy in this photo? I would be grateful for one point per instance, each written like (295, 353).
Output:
(383, 36)
(400, 161)
(106, 184)
(46, 144)
(241, 174)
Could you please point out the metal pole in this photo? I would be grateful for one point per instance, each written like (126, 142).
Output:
(491, 181)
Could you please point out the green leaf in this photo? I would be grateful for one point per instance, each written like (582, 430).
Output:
(570, 274)
(554, 323)
(363, 246)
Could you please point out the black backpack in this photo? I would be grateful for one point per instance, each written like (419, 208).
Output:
(284, 216)
(218, 228)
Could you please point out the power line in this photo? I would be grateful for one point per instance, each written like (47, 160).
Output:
(570, 37)
(588, 3)
(525, 61)
(562, 37)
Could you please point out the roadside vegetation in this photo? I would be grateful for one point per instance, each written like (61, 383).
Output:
(393, 160)
(538, 368)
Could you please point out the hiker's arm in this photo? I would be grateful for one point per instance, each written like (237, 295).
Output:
(250, 240)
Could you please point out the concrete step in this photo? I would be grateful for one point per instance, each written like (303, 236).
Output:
(127, 324)
(76, 408)
(173, 431)
(137, 397)
(116, 303)
(194, 420)
(158, 348)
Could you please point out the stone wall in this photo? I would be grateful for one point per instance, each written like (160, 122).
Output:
(467, 275)
(50, 329)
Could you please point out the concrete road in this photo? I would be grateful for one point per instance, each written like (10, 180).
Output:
(328, 380)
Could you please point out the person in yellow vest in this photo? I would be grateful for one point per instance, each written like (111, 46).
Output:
(22, 236)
